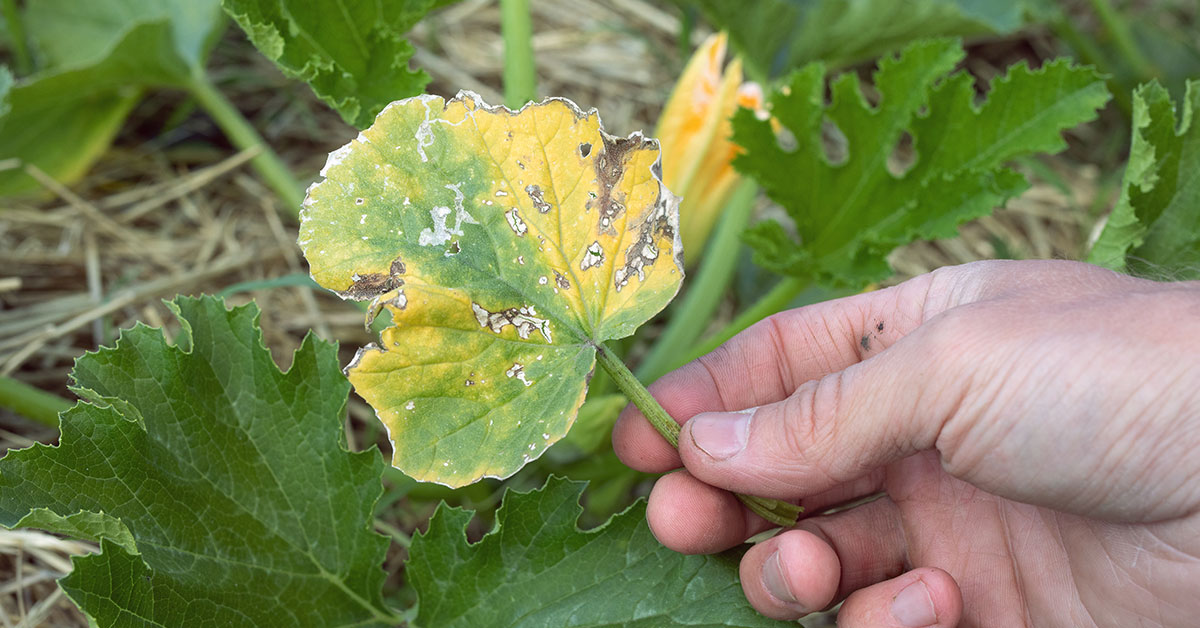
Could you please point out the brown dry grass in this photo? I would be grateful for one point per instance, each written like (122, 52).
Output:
(172, 209)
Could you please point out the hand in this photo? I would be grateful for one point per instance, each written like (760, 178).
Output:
(1034, 427)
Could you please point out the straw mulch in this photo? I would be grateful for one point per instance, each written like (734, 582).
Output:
(171, 208)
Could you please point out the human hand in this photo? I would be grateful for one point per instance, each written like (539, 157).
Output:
(1035, 427)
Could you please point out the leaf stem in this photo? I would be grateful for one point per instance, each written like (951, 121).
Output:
(243, 135)
(520, 74)
(774, 301)
(16, 31)
(690, 315)
(777, 512)
(32, 403)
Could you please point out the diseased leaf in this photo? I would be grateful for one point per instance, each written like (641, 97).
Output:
(351, 52)
(219, 487)
(506, 246)
(100, 55)
(850, 212)
(536, 568)
(1155, 227)
(775, 36)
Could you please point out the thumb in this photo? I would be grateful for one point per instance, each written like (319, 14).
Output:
(833, 429)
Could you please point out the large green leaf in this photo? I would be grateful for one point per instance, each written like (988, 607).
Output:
(99, 56)
(351, 52)
(775, 36)
(506, 246)
(851, 213)
(220, 487)
(1155, 227)
(536, 568)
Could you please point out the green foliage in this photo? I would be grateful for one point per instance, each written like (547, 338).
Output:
(775, 36)
(1155, 226)
(536, 568)
(850, 213)
(351, 52)
(98, 55)
(219, 487)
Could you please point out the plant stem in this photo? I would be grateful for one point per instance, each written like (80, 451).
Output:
(772, 302)
(777, 512)
(243, 135)
(690, 316)
(32, 403)
(1123, 38)
(16, 30)
(520, 76)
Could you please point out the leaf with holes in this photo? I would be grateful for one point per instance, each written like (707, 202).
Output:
(507, 246)
(852, 206)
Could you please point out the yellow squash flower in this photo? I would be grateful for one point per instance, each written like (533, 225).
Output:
(694, 131)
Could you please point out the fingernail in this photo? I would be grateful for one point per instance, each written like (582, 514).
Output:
(913, 607)
(721, 435)
(774, 581)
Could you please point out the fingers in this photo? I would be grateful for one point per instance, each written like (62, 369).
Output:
(920, 598)
(832, 430)
(813, 567)
(692, 517)
(765, 363)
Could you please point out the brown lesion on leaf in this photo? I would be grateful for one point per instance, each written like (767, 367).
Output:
(523, 318)
(644, 251)
(610, 167)
(561, 281)
(539, 198)
(371, 285)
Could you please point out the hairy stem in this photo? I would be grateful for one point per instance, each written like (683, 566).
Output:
(32, 403)
(520, 78)
(777, 512)
(243, 135)
(690, 315)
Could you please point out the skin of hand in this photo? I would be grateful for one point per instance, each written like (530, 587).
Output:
(1034, 427)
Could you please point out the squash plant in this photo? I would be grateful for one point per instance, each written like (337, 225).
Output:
(512, 250)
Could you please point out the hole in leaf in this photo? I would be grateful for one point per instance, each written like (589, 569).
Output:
(585, 149)
(834, 143)
(903, 156)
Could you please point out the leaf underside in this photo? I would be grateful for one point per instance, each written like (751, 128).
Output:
(536, 568)
(219, 487)
(1155, 227)
(506, 245)
(851, 209)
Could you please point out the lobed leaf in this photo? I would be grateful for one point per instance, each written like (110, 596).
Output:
(852, 210)
(219, 488)
(506, 246)
(536, 568)
(1155, 226)
(351, 52)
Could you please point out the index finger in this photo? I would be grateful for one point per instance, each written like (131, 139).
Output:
(769, 360)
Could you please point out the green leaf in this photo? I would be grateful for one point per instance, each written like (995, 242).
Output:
(351, 52)
(1155, 227)
(506, 247)
(775, 36)
(850, 213)
(536, 568)
(220, 488)
(100, 55)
